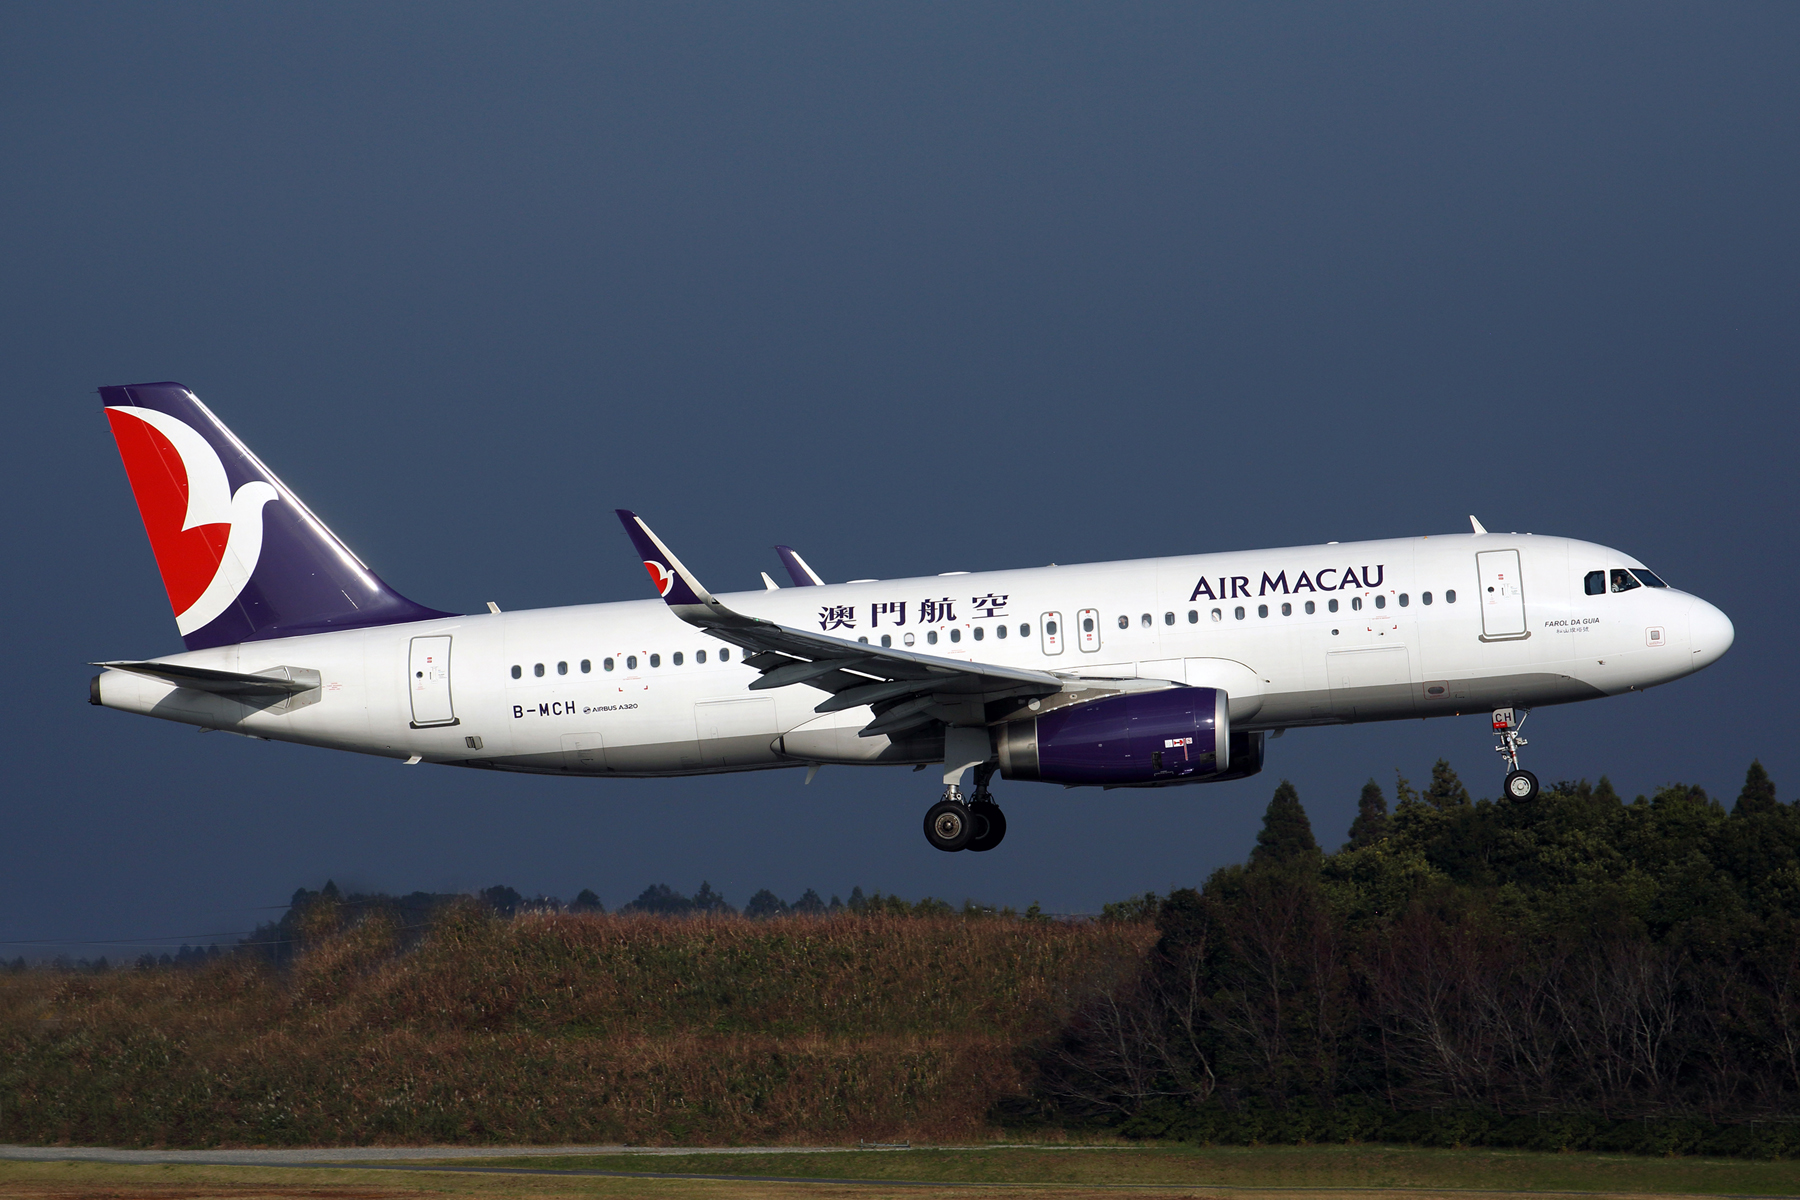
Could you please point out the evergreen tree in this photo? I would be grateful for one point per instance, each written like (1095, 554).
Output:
(587, 902)
(708, 901)
(500, 898)
(810, 904)
(1447, 791)
(836, 906)
(1371, 824)
(1286, 838)
(661, 899)
(765, 904)
(1758, 795)
(859, 903)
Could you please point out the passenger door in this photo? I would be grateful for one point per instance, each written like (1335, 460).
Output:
(1502, 595)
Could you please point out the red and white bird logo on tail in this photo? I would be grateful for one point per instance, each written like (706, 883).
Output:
(661, 576)
(207, 541)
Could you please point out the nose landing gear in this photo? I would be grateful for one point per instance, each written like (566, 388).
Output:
(1520, 785)
(978, 825)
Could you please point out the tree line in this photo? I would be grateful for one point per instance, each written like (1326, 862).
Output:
(1575, 957)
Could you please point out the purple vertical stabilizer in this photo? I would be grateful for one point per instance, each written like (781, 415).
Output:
(241, 557)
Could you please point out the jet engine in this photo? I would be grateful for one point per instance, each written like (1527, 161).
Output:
(1175, 735)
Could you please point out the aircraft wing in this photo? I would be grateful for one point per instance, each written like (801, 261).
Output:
(905, 689)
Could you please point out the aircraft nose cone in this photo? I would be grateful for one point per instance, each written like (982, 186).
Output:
(1710, 634)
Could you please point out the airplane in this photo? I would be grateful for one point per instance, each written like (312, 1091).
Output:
(1146, 673)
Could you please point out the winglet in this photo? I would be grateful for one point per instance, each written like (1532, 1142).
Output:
(802, 575)
(1476, 525)
(674, 582)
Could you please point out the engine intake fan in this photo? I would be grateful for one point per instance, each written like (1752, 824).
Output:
(1177, 735)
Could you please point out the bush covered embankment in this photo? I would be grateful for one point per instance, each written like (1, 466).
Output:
(557, 1029)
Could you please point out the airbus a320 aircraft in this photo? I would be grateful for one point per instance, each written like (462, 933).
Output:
(1148, 673)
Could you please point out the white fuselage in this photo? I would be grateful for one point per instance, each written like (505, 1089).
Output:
(629, 689)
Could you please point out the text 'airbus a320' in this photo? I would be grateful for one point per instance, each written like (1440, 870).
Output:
(1147, 673)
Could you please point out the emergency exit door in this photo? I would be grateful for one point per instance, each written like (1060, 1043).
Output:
(1502, 594)
(428, 674)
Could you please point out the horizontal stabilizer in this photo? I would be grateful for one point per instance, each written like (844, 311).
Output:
(277, 682)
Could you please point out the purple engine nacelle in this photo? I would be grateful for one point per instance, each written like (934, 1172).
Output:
(1177, 735)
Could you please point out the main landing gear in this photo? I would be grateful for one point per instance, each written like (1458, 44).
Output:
(978, 825)
(1520, 785)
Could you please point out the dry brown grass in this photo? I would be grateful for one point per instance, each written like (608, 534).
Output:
(557, 1029)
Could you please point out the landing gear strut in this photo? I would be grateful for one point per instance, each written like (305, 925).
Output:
(989, 821)
(1520, 785)
(978, 825)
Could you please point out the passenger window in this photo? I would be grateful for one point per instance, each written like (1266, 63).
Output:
(1622, 580)
(956, 635)
(1404, 601)
(1331, 604)
(999, 631)
(887, 639)
(538, 670)
(1124, 621)
(1217, 615)
(1262, 610)
(699, 656)
(724, 653)
(1025, 630)
(1594, 583)
(1310, 608)
(931, 637)
(1168, 618)
(863, 640)
(1145, 620)
(606, 664)
(1193, 616)
(676, 659)
(980, 633)
(631, 662)
(1238, 612)
(1425, 596)
(517, 672)
(1356, 604)
(1287, 610)
(1449, 595)
(1647, 578)
(908, 639)
(656, 660)
(1380, 601)
(562, 668)
(587, 667)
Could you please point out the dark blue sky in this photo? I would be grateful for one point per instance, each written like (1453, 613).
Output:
(914, 288)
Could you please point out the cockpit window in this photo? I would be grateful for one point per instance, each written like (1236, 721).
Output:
(1622, 580)
(1595, 583)
(1647, 578)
